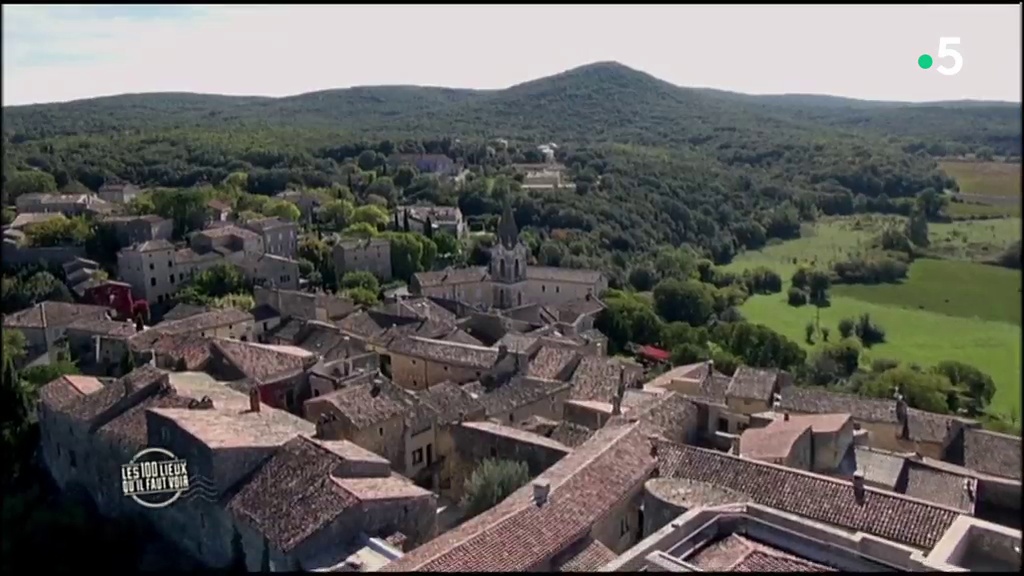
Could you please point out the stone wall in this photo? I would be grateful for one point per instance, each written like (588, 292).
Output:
(50, 255)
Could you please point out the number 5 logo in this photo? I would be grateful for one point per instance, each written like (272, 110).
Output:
(945, 51)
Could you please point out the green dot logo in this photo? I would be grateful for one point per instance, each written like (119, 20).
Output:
(924, 61)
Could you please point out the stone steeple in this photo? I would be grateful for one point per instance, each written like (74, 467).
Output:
(508, 232)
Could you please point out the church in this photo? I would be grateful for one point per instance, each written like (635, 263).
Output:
(509, 281)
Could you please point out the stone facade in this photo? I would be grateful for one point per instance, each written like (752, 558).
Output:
(371, 255)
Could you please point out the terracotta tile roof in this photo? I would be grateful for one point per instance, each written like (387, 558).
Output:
(517, 343)
(550, 362)
(192, 348)
(130, 428)
(736, 553)
(696, 372)
(821, 423)
(264, 224)
(572, 310)
(367, 404)
(234, 427)
(62, 393)
(993, 453)
(816, 497)
(666, 416)
(589, 558)
(930, 427)
(261, 362)
(516, 393)
(597, 378)
(29, 218)
(54, 314)
(292, 495)
(445, 352)
(775, 441)
(572, 435)
(218, 205)
(931, 485)
(518, 535)
(182, 311)
(517, 434)
(103, 326)
(451, 403)
(437, 214)
(96, 403)
(753, 383)
(452, 276)
(880, 466)
(195, 323)
(552, 274)
(811, 400)
(460, 336)
(420, 307)
(151, 246)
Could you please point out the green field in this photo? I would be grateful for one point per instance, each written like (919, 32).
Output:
(949, 287)
(985, 178)
(969, 210)
(952, 309)
(912, 336)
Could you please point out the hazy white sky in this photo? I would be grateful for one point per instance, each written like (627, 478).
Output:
(57, 53)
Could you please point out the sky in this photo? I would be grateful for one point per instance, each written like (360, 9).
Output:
(55, 53)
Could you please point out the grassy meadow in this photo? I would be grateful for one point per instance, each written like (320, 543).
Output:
(955, 308)
(985, 178)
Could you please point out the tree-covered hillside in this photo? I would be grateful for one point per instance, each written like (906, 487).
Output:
(654, 163)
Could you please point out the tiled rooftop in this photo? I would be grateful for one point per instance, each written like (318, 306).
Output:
(515, 434)
(53, 314)
(370, 403)
(62, 393)
(261, 361)
(445, 352)
(103, 326)
(450, 402)
(519, 535)
(931, 485)
(812, 400)
(550, 361)
(993, 453)
(553, 274)
(516, 393)
(591, 556)
(95, 404)
(828, 500)
(195, 323)
(736, 553)
(597, 378)
(452, 276)
(752, 383)
(775, 441)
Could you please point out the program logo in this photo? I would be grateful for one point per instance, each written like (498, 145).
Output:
(155, 478)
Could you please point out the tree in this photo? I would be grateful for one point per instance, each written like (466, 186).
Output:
(975, 389)
(684, 301)
(410, 253)
(360, 279)
(29, 182)
(846, 327)
(373, 215)
(282, 209)
(361, 296)
(447, 245)
(360, 230)
(642, 277)
(491, 482)
(917, 229)
(628, 318)
(337, 213)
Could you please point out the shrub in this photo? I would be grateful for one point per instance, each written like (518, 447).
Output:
(869, 332)
(796, 297)
(846, 327)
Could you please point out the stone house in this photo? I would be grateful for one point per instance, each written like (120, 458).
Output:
(27, 219)
(151, 270)
(69, 205)
(520, 399)
(589, 500)
(427, 163)
(307, 203)
(451, 405)
(271, 270)
(99, 341)
(118, 192)
(371, 255)
(446, 219)
(46, 323)
(370, 414)
(782, 442)
(418, 363)
(218, 211)
(280, 237)
(508, 281)
(229, 323)
(832, 437)
(277, 372)
(138, 229)
(303, 305)
(238, 452)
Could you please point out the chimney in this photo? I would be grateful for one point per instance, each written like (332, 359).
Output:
(785, 417)
(858, 485)
(254, 399)
(901, 415)
(96, 339)
(541, 489)
(734, 447)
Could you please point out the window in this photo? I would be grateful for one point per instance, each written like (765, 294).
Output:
(172, 278)
(417, 456)
(543, 288)
(445, 368)
(380, 430)
(170, 264)
(72, 459)
(290, 398)
(152, 281)
(723, 425)
(511, 418)
(160, 299)
(151, 267)
(165, 436)
(624, 526)
(316, 393)
(494, 452)
(181, 276)
(264, 326)
(557, 289)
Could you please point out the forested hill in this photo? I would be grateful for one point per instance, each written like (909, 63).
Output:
(653, 163)
(598, 102)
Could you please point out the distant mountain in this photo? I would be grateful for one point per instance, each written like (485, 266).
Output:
(604, 101)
